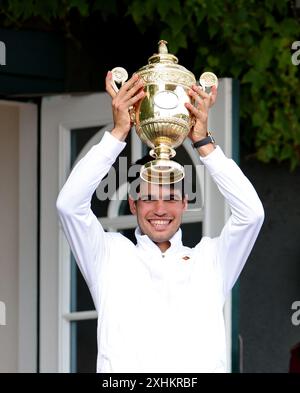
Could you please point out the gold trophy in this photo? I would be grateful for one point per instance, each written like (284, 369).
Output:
(161, 119)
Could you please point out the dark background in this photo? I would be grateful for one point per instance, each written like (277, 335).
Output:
(270, 282)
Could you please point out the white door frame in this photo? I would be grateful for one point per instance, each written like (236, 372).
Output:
(28, 238)
(216, 210)
(58, 113)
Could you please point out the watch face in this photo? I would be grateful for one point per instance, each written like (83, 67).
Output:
(211, 137)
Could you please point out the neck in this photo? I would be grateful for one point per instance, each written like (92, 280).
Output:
(163, 246)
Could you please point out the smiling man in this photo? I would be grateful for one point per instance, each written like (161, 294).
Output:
(160, 303)
(159, 211)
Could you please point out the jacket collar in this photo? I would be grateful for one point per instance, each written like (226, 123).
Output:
(145, 243)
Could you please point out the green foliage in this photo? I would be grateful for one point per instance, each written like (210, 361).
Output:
(247, 40)
(243, 39)
(17, 12)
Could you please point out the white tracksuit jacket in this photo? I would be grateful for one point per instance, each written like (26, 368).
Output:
(158, 312)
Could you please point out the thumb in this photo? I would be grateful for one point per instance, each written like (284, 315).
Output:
(108, 86)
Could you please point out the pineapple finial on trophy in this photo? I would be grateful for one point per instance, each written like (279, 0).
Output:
(162, 47)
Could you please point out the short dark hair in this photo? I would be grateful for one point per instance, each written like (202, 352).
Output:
(134, 178)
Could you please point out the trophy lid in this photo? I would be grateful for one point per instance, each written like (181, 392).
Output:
(164, 66)
(162, 56)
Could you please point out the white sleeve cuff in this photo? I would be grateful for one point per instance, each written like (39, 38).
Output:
(111, 146)
(215, 160)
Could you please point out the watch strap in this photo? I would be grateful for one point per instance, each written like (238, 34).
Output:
(204, 141)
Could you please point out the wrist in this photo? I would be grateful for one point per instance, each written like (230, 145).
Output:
(205, 145)
(119, 134)
(198, 137)
(206, 149)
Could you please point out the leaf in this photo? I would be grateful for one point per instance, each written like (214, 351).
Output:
(265, 53)
(175, 6)
(176, 23)
(163, 8)
(81, 5)
(289, 27)
(286, 152)
(252, 76)
(106, 7)
(213, 28)
(136, 12)
(213, 61)
(176, 42)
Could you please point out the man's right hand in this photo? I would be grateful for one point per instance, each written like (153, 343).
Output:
(128, 95)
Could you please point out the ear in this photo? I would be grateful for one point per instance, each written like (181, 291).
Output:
(185, 202)
(132, 205)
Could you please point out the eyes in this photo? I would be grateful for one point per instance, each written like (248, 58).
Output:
(167, 198)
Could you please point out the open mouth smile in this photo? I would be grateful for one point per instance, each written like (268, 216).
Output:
(160, 224)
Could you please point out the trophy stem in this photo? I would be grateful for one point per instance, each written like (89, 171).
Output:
(162, 152)
(162, 170)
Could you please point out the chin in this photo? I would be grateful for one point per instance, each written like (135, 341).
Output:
(160, 237)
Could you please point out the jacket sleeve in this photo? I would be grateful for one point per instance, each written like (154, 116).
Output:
(239, 234)
(85, 235)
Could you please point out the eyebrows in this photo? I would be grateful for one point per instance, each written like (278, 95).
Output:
(171, 196)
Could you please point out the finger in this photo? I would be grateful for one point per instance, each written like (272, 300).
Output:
(213, 95)
(134, 90)
(108, 87)
(195, 97)
(200, 91)
(128, 85)
(133, 100)
(202, 103)
(194, 111)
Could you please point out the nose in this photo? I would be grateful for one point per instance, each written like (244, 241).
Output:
(160, 207)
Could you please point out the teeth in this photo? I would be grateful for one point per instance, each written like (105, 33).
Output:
(159, 222)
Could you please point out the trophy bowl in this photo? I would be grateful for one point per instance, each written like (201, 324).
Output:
(161, 119)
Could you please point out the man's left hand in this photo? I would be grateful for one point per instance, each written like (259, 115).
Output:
(203, 101)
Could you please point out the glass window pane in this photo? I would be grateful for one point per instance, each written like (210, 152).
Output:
(129, 233)
(84, 346)
(81, 299)
(191, 234)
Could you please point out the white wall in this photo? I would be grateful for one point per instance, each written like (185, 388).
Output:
(18, 236)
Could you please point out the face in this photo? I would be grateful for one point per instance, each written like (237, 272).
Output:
(159, 211)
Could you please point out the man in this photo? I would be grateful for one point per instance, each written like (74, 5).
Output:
(160, 304)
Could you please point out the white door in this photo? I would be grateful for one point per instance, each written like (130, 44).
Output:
(71, 124)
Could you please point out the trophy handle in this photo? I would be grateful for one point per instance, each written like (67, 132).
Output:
(120, 76)
(207, 80)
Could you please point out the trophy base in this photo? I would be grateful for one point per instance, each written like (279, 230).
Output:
(162, 172)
